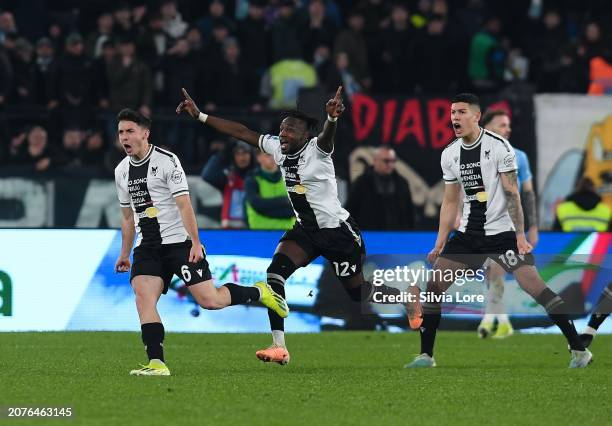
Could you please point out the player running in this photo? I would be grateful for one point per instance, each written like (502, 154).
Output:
(484, 164)
(154, 198)
(323, 227)
(498, 121)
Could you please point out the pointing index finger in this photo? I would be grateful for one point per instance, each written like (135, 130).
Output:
(338, 96)
(186, 94)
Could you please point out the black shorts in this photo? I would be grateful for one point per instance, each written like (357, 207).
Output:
(168, 259)
(473, 250)
(342, 246)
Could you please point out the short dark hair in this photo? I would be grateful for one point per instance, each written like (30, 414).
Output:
(311, 122)
(468, 98)
(127, 114)
(491, 114)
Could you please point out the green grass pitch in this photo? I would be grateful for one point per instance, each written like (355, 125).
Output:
(333, 379)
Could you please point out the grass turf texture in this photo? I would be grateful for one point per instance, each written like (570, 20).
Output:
(334, 378)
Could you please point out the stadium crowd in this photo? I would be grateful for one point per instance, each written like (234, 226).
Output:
(77, 64)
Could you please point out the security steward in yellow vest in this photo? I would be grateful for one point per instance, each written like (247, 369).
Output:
(583, 210)
(267, 202)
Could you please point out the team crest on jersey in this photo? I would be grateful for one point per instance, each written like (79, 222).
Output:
(177, 176)
(456, 159)
(301, 160)
(487, 154)
(154, 171)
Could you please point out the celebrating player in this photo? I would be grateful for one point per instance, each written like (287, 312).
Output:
(323, 227)
(484, 164)
(154, 199)
(498, 121)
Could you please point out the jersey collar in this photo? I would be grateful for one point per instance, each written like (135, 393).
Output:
(297, 154)
(145, 158)
(475, 144)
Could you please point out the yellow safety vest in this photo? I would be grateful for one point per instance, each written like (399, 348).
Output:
(573, 218)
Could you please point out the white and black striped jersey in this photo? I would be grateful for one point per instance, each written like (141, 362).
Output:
(149, 186)
(477, 167)
(310, 179)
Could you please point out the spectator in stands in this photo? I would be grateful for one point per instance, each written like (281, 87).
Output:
(173, 23)
(72, 141)
(71, 84)
(284, 79)
(342, 75)
(319, 30)
(487, 57)
(433, 52)
(396, 68)
(228, 176)
(103, 33)
(8, 27)
(45, 58)
(112, 158)
(267, 201)
(92, 155)
(130, 83)
(583, 210)
(100, 67)
(546, 51)
(152, 42)
(285, 40)
(124, 27)
(38, 157)
(232, 84)
(353, 42)
(380, 198)
(254, 38)
(24, 72)
(216, 15)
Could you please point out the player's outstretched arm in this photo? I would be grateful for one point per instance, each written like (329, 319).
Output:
(183, 202)
(227, 127)
(513, 199)
(530, 203)
(448, 216)
(127, 239)
(334, 108)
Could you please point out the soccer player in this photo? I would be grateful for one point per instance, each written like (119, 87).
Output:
(323, 227)
(154, 199)
(498, 121)
(600, 313)
(484, 165)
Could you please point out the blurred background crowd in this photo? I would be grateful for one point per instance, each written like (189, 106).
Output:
(67, 66)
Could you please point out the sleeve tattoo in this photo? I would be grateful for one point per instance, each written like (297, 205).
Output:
(514, 202)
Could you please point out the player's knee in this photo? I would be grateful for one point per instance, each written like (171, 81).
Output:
(281, 265)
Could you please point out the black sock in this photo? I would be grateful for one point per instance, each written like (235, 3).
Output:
(276, 322)
(240, 294)
(597, 319)
(555, 306)
(153, 339)
(367, 290)
(602, 309)
(432, 313)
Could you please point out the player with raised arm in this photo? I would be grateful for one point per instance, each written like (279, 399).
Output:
(498, 122)
(484, 165)
(154, 199)
(323, 227)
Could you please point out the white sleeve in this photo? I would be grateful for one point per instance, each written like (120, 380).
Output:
(269, 144)
(175, 177)
(506, 158)
(121, 184)
(447, 173)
